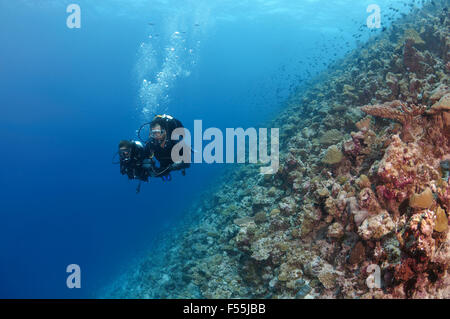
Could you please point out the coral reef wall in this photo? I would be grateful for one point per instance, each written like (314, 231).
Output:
(363, 189)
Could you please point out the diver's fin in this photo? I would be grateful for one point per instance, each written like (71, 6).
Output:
(138, 188)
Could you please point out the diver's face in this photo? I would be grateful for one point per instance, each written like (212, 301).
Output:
(158, 133)
(124, 153)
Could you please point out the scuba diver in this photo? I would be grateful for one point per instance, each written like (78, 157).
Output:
(132, 160)
(138, 161)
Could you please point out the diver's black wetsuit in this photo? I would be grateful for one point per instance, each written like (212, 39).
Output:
(163, 154)
(133, 167)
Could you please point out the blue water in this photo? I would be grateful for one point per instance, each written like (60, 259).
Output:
(68, 96)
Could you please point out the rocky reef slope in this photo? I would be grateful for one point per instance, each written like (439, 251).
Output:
(359, 207)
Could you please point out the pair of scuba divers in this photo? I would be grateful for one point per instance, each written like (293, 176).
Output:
(137, 161)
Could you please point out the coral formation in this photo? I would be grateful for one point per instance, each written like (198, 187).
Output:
(333, 155)
(367, 187)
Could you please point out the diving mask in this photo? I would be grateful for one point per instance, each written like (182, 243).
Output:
(157, 133)
(125, 154)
